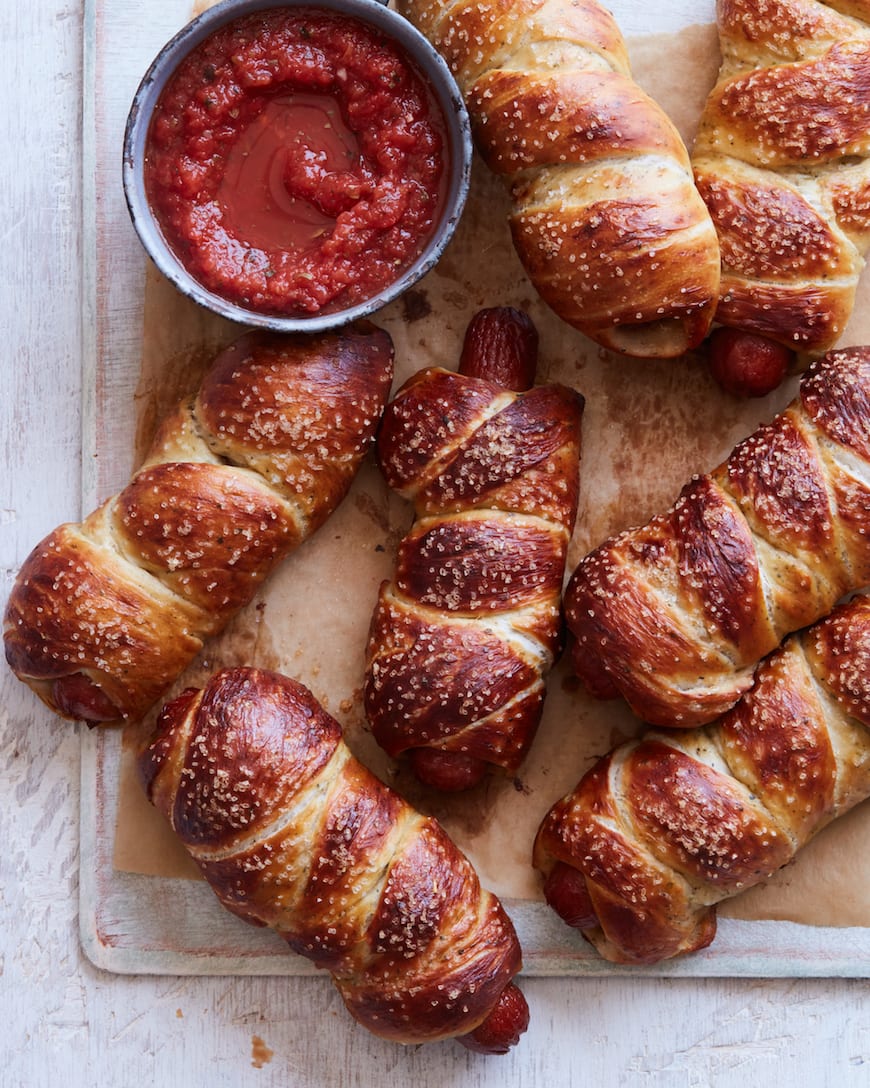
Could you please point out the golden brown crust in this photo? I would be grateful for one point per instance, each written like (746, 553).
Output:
(596, 120)
(300, 411)
(463, 686)
(116, 607)
(677, 613)
(605, 217)
(77, 609)
(791, 29)
(635, 899)
(292, 832)
(240, 528)
(473, 38)
(594, 265)
(461, 639)
(665, 827)
(781, 160)
(467, 563)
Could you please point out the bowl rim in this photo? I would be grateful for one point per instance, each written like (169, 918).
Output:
(422, 54)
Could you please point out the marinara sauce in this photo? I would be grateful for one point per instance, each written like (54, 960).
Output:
(296, 162)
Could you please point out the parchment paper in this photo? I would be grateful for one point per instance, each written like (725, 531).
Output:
(648, 427)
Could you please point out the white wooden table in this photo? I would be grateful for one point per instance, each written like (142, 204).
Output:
(64, 1021)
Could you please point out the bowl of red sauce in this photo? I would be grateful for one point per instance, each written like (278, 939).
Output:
(296, 166)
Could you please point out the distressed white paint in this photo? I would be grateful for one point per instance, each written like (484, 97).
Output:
(64, 1021)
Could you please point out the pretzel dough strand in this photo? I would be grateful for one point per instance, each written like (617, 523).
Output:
(605, 216)
(665, 827)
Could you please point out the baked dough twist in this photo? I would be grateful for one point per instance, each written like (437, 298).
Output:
(104, 615)
(462, 638)
(605, 216)
(665, 827)
(782, 160)
(293, 833)
(675, 615)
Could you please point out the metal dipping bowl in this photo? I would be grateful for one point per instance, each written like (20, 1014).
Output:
(428, 62)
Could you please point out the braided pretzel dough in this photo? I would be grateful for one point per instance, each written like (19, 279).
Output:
(665, 827)
(782, 160)
(104, 615)
(605, 217)
(676, 614)
(461, 641)
(292, 832)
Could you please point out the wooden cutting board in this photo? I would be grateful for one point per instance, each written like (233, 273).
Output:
(648, 427)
